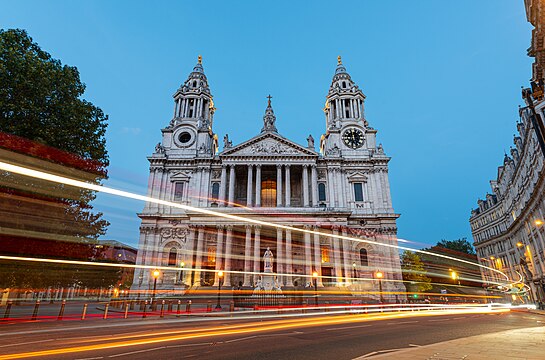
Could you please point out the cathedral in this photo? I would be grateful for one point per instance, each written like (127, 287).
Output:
(340, 189)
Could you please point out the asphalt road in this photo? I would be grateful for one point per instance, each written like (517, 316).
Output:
(342, 340)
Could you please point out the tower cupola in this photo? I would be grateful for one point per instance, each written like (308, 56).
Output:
(269, 120)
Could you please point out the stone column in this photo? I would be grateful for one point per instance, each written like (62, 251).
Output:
(318, 258)
(219, 254)
(336, 256)
(151, 181)
(190, 265)
(200, 251)
(257, 251)
(279, 256)
(340, 185)
(249, 186)
(247, 256)
(278, 185)
(228, 248)
(331, 186)
(231, 185)
(347, 251)
(314, 185)
(288, 187)
(258, 185)
(289, 259)
(308, 256)
(223, 185)
(305, 186)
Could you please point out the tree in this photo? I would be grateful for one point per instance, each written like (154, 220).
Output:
(414, 273)
(461, 245)
(42, 109)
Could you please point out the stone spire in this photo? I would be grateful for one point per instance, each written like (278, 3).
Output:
(269, 119)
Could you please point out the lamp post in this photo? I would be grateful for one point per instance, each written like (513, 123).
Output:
(354, 270)
(182, 265)
(155, 275)
(379, 275)
(454, 276)
(220, 281)
(315, 281)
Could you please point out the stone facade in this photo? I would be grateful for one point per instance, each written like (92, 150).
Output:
(342, 189)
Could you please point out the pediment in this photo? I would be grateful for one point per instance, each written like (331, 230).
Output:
(268, 144)
(180, 175)
(357, 176)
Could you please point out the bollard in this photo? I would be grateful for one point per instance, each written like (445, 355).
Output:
(170, 306)
(8, 308)
(163, 308)
(231, 306)
(61, 311)
(255, 309)
(326, 306)
(178, 310)
(141, 305)
(84, 312)
(280, 307)
(145, 308)
(126, 310)
(304, 309)
(106, 307)
(209, 306)
(131, 304)
(188, 307)
(36, 307)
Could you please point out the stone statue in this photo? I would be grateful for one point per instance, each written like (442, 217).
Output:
(226, 142)
(276, 286)
(380, 150)
(159, 149)
(268, 261)
(310, 140)
(259, 285)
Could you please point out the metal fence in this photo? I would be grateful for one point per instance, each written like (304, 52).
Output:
(268, 299)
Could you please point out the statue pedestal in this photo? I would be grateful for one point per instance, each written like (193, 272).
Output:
(267, 282)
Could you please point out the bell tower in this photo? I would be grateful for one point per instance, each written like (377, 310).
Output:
(347, 129)
(190, 130)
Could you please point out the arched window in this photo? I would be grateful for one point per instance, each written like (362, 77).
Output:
(364, 260)
(215, 191)
(344, 84)
(172, 257)
(194, 83)
(321, 192)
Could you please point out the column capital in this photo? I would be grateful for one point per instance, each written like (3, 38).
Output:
(248, 227)
(279, 166)
(287, 166)
(258, 165)
(220, 227)
(279, 231)
(229, 227)
(257, 229)
(306, 165)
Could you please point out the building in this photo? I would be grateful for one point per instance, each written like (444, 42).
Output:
(507, 226)
(342, 189)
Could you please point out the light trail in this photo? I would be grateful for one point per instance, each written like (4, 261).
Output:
(178, 335)
(104, 189)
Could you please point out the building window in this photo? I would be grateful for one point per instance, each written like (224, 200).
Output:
(358, 191)
(172, 257)
(211, 254)
(364, 260)
(215, 191)
(268, 193)
(325, 255)
(178, 191)
(321, 192)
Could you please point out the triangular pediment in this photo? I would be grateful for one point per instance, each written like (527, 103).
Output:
(357, 176)
(180, 175)
(268, 144)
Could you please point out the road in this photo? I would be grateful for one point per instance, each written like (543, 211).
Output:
(311, 337)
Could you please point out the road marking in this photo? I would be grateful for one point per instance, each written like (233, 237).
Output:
(402, 322)
(439, 320)
(377, 352)
(458, 318)
(25, 343)
(414, 345)
(240, 339)
(93, 358)
(347, 327)
(137, 352)
(188, 345)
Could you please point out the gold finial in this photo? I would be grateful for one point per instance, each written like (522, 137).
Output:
(200, 59)
(269, 97)
(339, 60)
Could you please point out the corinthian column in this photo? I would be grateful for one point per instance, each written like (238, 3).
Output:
(247, 256)
(288, 187)
(308, 255)
(249, 187)
(347, 250)
(279, 256)
(314, 185)
(289, 261)
(305, 185)
(257, 251)
(228, 248)
(200, 251)
(258, 185)
(231, 185)
(278, 185)
(219, 254)
(336, 256)
(223, 185)
(318, 258)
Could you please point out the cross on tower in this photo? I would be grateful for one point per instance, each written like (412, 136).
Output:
(269, 97)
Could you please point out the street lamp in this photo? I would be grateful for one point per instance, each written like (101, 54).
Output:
(315, 281)
(182, 265)
(354, 269)
(155, 275)
(454, 276)
(220, 281)
(379, 275)
(538, 222)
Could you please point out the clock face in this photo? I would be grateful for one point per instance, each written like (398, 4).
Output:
(353, 138)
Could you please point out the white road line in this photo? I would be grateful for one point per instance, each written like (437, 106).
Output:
(25, 343)
(347, 327)
(402, 322)
(93, 358)
(136, 352)
(241, 339)
(439, 320)
(458, 318)
(188, 345)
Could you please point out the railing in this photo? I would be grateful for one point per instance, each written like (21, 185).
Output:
(268, 299)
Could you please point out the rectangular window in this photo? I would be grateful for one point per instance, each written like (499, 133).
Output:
(358, 191)
(321, 192)
(178, 191)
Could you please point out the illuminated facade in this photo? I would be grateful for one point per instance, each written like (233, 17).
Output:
(343, 189)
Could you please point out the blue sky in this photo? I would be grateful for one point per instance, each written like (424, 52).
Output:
(442, 81)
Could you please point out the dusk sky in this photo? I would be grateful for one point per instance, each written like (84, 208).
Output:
(442, 81)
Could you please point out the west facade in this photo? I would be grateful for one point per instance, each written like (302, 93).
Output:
(340, 189)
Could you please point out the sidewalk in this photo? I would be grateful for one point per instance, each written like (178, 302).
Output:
(528, 343)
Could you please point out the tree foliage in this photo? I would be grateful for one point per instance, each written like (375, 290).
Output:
(41, 103)
(414, 273)
(461, 245)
